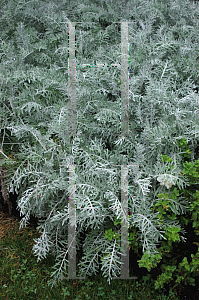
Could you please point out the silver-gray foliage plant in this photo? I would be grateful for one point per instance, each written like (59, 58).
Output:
(163, 53)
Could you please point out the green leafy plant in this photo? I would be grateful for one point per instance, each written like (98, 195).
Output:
(111, 235)
(183, 272)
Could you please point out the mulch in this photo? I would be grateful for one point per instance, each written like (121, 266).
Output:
(8, 224)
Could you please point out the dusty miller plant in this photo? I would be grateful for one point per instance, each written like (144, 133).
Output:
(163, 77)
